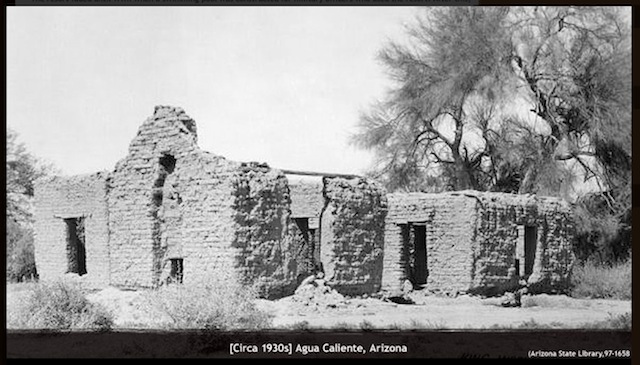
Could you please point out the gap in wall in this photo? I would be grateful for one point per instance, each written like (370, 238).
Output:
(166, 166)
(76, 251)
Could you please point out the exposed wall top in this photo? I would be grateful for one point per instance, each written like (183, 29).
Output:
(169, 130)
(482, 197)
(178, 115)
(80, 178)
(512, 199)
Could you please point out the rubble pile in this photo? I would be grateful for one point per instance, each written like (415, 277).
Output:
(315, 294)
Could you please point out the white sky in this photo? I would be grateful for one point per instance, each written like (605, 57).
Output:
(282, 85)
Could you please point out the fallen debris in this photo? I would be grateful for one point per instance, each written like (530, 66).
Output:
(314, 293)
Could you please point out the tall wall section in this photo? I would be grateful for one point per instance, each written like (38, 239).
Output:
(352, 235)
(170, 200)
(82, 202)
(449, 224)
(182, 214)
(263, 231)
(203, 228)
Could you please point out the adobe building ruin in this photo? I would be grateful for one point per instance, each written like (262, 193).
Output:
(170, 212)
(475, 242)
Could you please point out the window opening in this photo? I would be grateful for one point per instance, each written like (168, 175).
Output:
(177, 270)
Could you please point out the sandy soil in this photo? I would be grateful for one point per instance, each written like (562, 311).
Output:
(320, 307)
(448, 313)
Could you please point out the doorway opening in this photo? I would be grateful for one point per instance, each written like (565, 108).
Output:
(530, 242)
(76, 252)
(420, 269)
(526, 250)
(414, 253)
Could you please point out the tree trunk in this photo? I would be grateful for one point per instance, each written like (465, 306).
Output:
(464, 178)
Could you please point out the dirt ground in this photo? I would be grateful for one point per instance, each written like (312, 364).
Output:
(449, 313)
(330, 310)
(319, 307)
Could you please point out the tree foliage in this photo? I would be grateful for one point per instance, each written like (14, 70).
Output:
(20, 252)
(575, 63)
(518, 99)
(22, 169)
(456, 58)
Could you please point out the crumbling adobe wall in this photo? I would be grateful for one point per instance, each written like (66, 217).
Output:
(552, 272)
(450, 221)
(57, 198)
(497, 235)
(352, 235)
(206, 227)
(224, 220)
(157, 214)
(262, 230)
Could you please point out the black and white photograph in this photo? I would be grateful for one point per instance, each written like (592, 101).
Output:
(319, 181)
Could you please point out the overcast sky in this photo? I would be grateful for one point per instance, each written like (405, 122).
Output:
(282, 85)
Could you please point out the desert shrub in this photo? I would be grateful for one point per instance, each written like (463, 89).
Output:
(59, 305)
(622, 321)
(366, 326)
(616, 322)
(300, 326)
(591, 280)
(213, 305)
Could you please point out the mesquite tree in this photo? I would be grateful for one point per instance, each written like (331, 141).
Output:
(518, 99)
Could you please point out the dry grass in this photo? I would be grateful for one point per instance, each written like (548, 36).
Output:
(619, 322)
(344, 326)
(56, 305)
(213, 305)
(591, 280)
(366, 326)
(299, 326)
